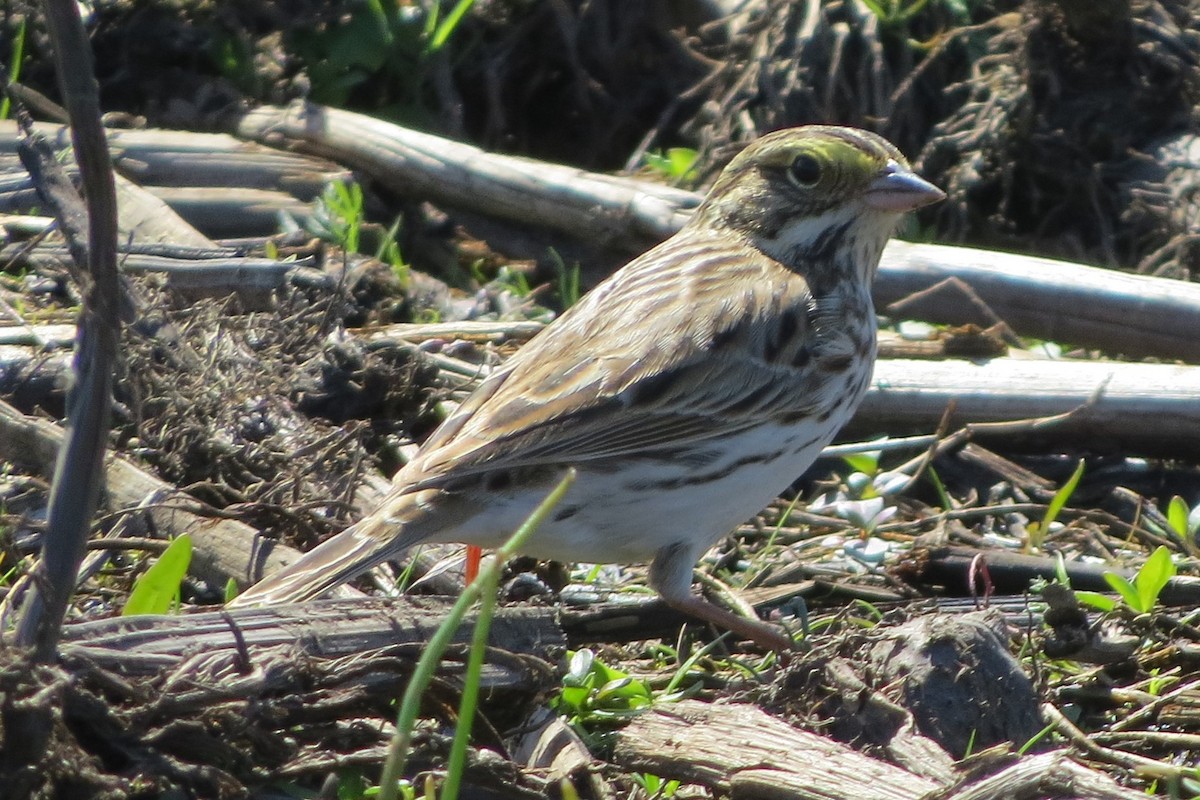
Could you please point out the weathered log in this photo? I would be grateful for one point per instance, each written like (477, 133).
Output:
(245, 641)
(1053, 774)
(221, 185)
(183, 158)
(1039, 297)
(1125, 407)
(1135, 315)
(741, 751)
(210, 273)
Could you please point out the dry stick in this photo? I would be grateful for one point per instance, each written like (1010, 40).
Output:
(1138, 764)
(76, 486)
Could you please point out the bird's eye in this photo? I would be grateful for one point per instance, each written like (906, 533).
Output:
(805, 171)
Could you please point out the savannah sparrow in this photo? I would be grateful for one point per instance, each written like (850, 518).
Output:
(688, 389)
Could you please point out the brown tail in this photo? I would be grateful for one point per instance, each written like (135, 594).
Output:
(335, 561)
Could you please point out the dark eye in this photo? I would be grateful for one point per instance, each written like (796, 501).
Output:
(805, 171)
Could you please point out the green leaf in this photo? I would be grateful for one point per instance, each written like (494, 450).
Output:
(675, 164)
(877, 9)
(157, 590)
(1125, 589)
(1100, 602)
(866, 463)
(579, 666)
(1153, 576)
(1061, 497)
(1177, 516)
(682, 160)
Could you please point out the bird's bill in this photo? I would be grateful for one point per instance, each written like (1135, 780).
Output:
(899, 189)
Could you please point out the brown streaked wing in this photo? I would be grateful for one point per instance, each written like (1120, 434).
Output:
(642, 383)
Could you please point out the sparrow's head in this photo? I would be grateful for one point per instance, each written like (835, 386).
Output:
(814, 193)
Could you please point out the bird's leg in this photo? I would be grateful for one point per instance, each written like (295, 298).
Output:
(671, 577)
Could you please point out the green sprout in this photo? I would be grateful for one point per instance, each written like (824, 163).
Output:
(1037, 531)
(596, 697)
(1140, 594)
(156, 591)
(677, 164)
(338, 216)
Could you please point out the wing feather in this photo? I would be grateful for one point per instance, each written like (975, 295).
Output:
(670, 380)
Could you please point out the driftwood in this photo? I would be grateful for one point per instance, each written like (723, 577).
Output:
(1130, 314)
(741, 751)
(1039, 297)
(1053, 774)
(183, 158)
(143, 217)
(249, 641)
(199, 272)
(626, 213)
(1134, 408)
(232, 212)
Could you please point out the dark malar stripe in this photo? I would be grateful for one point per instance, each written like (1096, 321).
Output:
(826, 247)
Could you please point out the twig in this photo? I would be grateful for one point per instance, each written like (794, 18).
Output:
(1141, 765)
(76, 487)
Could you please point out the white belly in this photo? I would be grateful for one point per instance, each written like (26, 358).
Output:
(628, 515)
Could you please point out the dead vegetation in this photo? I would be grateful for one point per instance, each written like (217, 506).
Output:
(278, 410)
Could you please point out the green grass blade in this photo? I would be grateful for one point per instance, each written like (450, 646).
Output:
(410, 705)
(457, 762)
(446, 27)
(1037, 737)
(14, 67)
(157, 590)
(1061, 497)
